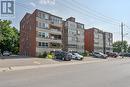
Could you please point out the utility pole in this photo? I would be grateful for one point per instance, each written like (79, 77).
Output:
(122, 39)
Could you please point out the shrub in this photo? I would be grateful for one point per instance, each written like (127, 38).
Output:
(50, 55)
(86, 53)
(44, 55)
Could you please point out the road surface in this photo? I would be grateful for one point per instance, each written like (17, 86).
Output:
(104, 74)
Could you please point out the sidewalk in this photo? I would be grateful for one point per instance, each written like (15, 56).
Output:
(28, 63)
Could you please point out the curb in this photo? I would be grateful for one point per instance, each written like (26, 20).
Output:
(49, 65)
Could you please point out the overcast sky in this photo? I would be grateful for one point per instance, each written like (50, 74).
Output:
(103, 14)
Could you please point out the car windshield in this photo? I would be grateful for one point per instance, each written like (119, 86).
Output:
(101, 53)
(77, 54)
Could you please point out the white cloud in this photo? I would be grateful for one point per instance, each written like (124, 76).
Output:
(33, 4)
(41, 1)
(46, 2)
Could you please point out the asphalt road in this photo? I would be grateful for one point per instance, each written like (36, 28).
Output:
(104, 74)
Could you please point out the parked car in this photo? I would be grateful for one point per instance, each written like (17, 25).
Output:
(112, 54)
(6, 53)
(125, 54)
(65, 56)
(99, 55)
(77, 56)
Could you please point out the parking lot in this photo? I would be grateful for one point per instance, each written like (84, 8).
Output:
(11, 61)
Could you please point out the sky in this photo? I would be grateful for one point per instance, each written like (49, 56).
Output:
(106, 15)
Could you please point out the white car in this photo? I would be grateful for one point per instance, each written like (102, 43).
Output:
(77, 56)
(6, 53)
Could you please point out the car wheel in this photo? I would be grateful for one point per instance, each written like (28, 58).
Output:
(81, 59)
(63, 59)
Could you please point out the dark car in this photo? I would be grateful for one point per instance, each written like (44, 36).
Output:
(65, 56)
(99, 55)
(112, 54)
(125, 54)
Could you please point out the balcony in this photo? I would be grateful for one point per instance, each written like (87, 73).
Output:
(55, 45)
(55, 31)
(55, 37)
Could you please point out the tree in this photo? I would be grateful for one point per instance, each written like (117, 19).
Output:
(129, 49)
(118, 45)
(9, 37)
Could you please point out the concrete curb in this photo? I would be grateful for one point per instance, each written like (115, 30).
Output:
(48, 65)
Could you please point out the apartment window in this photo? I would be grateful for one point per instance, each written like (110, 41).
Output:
(39, 14)
(42, 44)
(45, 16)
(43, 35)
(44, 25)
(39, 44)
(56, 20)
(36, 23)
(39, 34)
(78, 32)
(39, 24)
(80, 26)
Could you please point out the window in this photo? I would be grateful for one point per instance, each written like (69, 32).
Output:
(39, 24)
(56, 20)
(39, 44)
(45, 16)
(39, 14)
(78, 32)
(39, 34)
(42, 44)
(80, 26)
(44, 25)
(43, 35)
(36, 23)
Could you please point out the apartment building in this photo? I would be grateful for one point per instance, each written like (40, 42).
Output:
(73, 35)
(94, 41)
(108, 41)
(40, 32)
(98, 41)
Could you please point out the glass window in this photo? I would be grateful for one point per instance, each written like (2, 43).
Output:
(39, 34)
(43, 35)
(45, 16)
(39, 44)
(44, 25)
(39, 14)
(39, 24)
(44, 44)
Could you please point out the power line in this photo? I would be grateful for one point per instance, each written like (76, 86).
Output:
(94, 11)
(72, 9)
(88, 14)
(27, 8)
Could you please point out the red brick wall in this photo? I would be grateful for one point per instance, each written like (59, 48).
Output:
(28, 36)
(89, 40)
(23, 35)
(32, 35)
